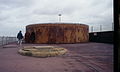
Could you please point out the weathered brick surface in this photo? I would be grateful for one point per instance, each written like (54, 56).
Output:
(57, 33)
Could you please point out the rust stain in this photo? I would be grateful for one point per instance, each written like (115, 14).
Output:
(57, 33)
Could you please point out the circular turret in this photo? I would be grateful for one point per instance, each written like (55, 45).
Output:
(57, 33)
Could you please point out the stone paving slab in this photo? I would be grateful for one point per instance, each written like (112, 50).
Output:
(84, 57)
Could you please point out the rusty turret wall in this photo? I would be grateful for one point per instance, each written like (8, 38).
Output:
(57, 33)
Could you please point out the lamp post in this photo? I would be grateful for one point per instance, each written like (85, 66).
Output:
(59, 17)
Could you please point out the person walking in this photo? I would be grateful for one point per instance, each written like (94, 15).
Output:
(20, 37)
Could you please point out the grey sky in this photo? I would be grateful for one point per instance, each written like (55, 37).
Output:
(16, 14)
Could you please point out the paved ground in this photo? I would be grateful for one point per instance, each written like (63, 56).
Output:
(84, 57)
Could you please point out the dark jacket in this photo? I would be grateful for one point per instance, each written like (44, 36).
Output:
(19, 35)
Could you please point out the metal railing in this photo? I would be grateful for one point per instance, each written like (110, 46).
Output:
(6, 40)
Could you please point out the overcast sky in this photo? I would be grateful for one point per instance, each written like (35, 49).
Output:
(16, 14)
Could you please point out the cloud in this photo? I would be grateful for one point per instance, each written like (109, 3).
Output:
(15, 3)
(16, 14)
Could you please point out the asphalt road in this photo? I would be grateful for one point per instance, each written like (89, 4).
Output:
(83, 57)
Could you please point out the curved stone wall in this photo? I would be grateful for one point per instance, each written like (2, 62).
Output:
(56, 33)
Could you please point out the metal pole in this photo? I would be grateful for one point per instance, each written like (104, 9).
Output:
(6, 40)
(2, 40)
(113, 26)
(91, 28)
(100, 28)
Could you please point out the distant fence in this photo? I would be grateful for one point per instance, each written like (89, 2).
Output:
(6, 40)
